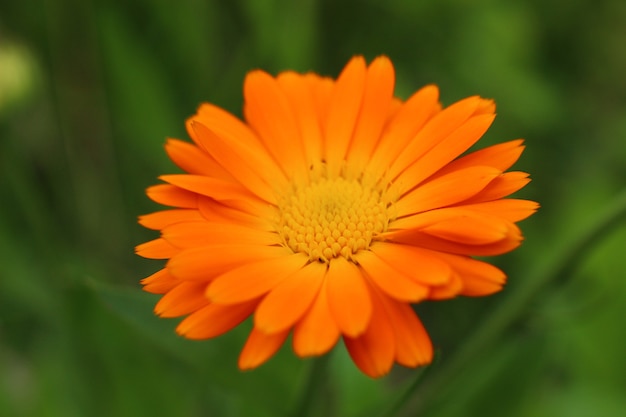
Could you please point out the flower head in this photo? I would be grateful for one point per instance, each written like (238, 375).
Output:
(328, 211)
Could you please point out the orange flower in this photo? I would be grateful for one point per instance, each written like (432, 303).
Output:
(328, 212)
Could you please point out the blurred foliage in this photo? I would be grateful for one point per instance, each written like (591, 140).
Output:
(89, 91)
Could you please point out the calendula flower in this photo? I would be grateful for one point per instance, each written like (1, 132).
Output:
(330, 210)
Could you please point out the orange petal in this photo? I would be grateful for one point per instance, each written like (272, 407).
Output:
(156, 249)
(379, 84)
(260, 347)
(317, 332)
(511, 209)
(459, 224)
(288, 302)
(224, 124)
(269, 113)
(374, 350)
(479, 278)
(228, 193)
(234, 146)
(210, 187)
(486, 106)
(205, 263)
(413, 345)
(405, 124)
(424, 240)
(251, 165)
(417, 263)
(504, 185)
(476, 287)
(160, 282)
(394, 108)
(466, 226)
(322, 88)
(194, 160)
(472, 224)
(446, 150)
(441, 126)
(161, 219)
(173, 196)
(451, 289)
(254, 279)
(343, 112)
(501, 156)
(187, 297)
(299, 92)
(193, 234)
(390, 280)
(216, 212)
(214, 320)
(348, 297)
(447, 190)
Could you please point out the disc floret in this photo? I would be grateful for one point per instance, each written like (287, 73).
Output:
(328, 218)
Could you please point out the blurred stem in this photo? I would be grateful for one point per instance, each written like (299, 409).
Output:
(312, 402)
(509, 311)
(404, 397)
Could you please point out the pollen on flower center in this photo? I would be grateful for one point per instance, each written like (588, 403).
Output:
(333, 217)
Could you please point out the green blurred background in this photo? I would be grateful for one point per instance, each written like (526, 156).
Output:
(89, 90)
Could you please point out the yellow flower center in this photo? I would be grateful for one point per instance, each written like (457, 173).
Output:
(328, 218)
